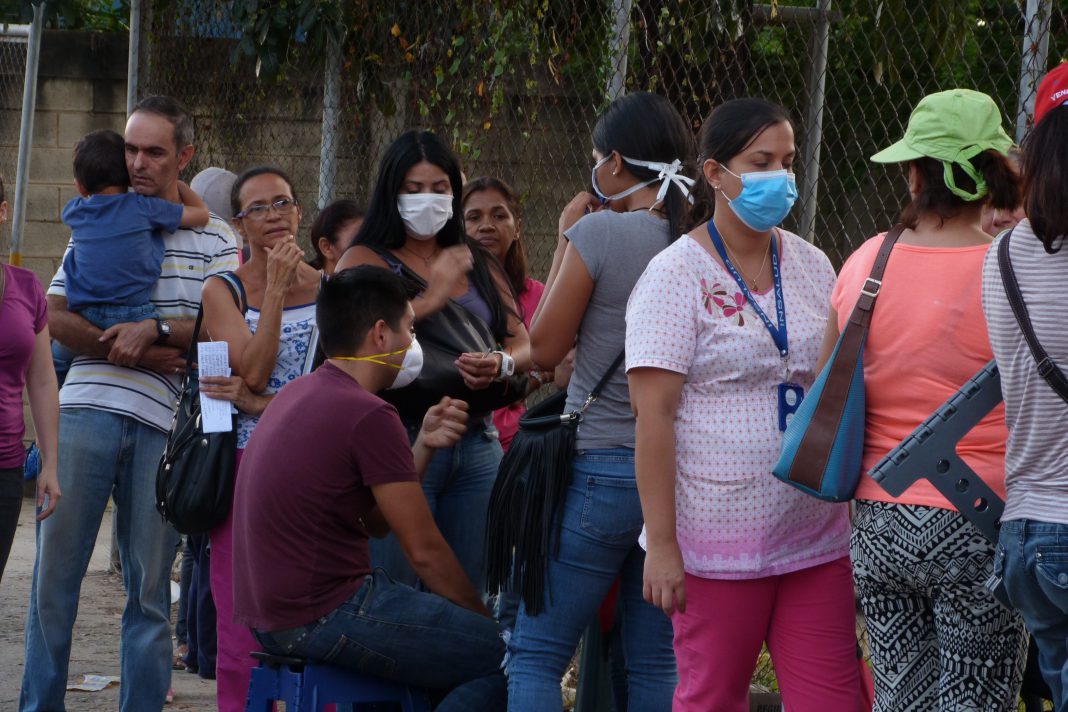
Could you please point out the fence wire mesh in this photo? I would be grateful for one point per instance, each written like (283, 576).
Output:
(516, 86)
(12, 78)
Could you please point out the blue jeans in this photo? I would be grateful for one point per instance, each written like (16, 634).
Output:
(1033, 559)
(390, 630)
(598, 542)
(101, 455)
(457, 485)
(102, 316)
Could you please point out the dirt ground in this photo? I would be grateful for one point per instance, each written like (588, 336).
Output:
(96, 633)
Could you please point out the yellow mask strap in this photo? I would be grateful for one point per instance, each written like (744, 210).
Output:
(376, 358)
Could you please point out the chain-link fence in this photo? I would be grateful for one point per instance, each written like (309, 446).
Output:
(12, 76)
(517, 84)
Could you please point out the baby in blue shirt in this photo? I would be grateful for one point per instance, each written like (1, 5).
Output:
(117, 239)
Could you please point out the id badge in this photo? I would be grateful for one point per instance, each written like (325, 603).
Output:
(790, 397)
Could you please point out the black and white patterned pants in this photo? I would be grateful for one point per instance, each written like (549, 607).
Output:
(939, 640)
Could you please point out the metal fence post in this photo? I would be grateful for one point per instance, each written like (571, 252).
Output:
(331, 115)
(1032, 60)
(810, 149)
(618, 47)
(133, 67)
(29, 102)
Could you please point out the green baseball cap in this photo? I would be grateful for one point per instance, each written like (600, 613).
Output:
(953, 127)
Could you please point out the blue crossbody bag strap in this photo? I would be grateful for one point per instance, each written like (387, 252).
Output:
(817, 445)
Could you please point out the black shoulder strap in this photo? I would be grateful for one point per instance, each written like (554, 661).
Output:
(237, 291)
(1046, 367)
(603, 382)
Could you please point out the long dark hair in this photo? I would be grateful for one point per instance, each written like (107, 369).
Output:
(384, 229)
(935, 197)
(1045, 176)
(647, 127)
(515, 263)
(328, 223)
(730, 129)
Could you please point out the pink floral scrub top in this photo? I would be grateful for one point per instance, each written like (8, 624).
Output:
(687, 315)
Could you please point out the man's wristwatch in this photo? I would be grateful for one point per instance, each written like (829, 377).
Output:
(163, 330)
(507, 365)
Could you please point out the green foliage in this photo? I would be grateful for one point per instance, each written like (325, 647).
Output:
(95, 15)
(271, 28)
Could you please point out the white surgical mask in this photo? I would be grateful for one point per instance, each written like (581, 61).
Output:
(424, 214)
(407, 370)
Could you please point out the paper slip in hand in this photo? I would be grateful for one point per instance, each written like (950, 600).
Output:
(213, 359)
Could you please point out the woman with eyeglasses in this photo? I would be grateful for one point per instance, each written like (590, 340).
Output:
(268, 330)
(415, 226)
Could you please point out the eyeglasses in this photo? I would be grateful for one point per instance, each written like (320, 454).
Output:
(258, 213)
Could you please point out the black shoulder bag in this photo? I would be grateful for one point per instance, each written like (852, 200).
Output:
(195, 479)
(523, 522)
(1049, 371)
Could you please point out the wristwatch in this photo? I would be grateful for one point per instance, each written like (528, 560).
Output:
(507, 365)
(163, 330)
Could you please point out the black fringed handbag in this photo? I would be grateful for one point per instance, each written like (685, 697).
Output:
(523, 522)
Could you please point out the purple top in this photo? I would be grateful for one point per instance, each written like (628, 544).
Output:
(22, 316)
(472, 301)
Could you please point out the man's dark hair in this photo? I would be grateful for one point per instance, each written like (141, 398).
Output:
(352, 301)
(100, 161)
(174, 112)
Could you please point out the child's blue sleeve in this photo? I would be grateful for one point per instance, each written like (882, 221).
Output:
(160, 214)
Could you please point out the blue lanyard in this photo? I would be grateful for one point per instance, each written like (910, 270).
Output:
(778, 335)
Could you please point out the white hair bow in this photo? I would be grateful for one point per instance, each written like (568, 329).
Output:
(669, 173)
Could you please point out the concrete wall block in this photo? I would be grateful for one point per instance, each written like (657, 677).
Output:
(51, 165)
(61, 94)
(109, 96)
(42, 203)
(42, 240)
(73, 126)
(44, 128)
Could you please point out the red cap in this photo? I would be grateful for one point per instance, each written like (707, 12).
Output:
(1052, 92)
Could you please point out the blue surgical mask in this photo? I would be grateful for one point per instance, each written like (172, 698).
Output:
(766, 198)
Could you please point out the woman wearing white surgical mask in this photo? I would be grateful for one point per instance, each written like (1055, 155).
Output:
(414, 226)
(640, 147)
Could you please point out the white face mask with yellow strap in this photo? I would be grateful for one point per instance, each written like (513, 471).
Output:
(407, 371)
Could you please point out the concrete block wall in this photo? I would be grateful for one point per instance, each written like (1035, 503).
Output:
(81, 87)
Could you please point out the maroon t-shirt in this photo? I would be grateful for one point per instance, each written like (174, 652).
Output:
(299, 550)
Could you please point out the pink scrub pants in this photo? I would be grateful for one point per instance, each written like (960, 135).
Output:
(808, 620)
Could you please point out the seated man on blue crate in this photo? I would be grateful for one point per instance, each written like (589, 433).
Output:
(329, 465)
